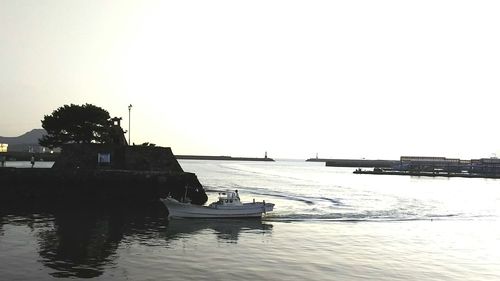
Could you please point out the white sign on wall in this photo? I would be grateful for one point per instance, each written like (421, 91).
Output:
(103, 158)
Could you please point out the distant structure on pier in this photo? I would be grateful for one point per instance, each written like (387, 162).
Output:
(117, 133)
(449, 165)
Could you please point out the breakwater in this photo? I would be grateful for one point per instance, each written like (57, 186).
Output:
(440, 167)
(365, 163)
(225, 158)
(427, 174)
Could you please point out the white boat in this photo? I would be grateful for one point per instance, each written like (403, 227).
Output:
(228, 206)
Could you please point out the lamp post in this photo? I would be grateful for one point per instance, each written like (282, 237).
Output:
(129, 108)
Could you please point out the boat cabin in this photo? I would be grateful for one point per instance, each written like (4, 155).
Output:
(228, 198)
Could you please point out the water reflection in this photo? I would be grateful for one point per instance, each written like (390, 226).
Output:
(1, 225)
(226, 230)
(84, 241)
(80, 244)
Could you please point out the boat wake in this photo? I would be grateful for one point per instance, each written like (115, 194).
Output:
(325, 208)
(264, 192)
(355, 217)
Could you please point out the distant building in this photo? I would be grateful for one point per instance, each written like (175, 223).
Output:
(430, 164)
(449, 165)
(485, 166)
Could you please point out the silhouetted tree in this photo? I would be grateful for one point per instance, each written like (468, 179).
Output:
(76, 124)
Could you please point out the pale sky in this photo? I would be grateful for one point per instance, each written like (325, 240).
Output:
(344, 79)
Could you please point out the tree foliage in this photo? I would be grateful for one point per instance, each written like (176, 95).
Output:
(76, 124)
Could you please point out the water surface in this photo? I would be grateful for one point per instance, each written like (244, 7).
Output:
(328, 224)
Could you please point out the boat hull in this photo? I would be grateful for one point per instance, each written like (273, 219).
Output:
(178, 209)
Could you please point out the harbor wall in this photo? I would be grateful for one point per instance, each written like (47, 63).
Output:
(42, 186)
(121, 157)
(224, 158)
(361, 163)
(135, 174)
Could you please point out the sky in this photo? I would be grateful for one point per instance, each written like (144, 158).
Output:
(344, 79)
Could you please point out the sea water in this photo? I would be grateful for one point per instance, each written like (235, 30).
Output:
(328, 224)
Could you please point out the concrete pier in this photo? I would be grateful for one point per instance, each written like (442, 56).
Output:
(365, 163)
(426, 174)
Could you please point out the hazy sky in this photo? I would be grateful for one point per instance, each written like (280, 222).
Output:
(374, 79)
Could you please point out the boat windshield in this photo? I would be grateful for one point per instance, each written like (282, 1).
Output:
(229, 197)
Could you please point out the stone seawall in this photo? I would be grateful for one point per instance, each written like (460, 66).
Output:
(102, 173)
(121, 157)
(36, 186)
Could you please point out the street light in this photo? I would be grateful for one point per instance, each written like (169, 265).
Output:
(129, 108)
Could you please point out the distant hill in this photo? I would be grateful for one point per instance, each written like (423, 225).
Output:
(24, 142)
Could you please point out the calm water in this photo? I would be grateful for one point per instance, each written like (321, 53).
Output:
(328, 224)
